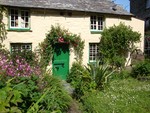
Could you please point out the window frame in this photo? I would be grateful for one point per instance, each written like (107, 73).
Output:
(19, 19)
(96, 53)
(98, 23)
(20, 47)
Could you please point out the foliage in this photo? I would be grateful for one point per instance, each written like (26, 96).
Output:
(9, 99)
(147, 33)
(3, 31)
(29, 56)
(57, 99)
(88, 78)
(141, 69)
(82, 83)
(116, 42)
(122, 96)
(60, 35)
(17, 66)
(37, 94)
(100, 74)
(121, 74)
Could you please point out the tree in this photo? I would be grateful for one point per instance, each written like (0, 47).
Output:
(116, 42)
(3, 31)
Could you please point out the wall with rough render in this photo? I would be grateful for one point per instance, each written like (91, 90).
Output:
(78, 23)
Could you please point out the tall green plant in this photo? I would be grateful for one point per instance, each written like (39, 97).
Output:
(100, 74)
(116, 42)
(80, 80)
(88, 78)
(9, 99)
(3, 31)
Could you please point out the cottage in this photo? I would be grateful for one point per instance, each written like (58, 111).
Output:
(29, 20)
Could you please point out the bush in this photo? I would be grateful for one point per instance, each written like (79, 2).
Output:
(17, 66)
(57, 99)
(121, 74)
(29, 56)
(116, 42)
(141, 69)
(9, 99)
(36, 94)
(100, 74)
(88, 78)
(80, 80)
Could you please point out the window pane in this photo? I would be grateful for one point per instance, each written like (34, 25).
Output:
(100, 23)
(93, 52)
(19, 47)
(24, 19)
(93, 22)
(96, 23)
(19, 19)
(26, 13)
(14, 18)
(12, 23)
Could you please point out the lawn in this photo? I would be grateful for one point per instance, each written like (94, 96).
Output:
(121, 96)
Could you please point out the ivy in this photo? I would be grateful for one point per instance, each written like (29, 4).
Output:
(60, 35)
(3, 31)
(116, 42)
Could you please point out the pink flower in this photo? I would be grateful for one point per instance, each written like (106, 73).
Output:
(61, 40)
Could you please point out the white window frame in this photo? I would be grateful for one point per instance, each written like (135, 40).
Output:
(20, 47)
(148, 4)
(96, 23)
(93, 52)
(19, 22)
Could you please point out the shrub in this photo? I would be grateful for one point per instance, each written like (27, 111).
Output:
(141, 69)
(57, 99)
(9, 99)
(116, 42)
(88, 78)
(82, 83)
(36, 94)
(29, 56)
(17, 66)
(100, 74)
(122, 74)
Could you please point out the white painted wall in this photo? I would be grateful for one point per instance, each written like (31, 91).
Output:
(78, 23)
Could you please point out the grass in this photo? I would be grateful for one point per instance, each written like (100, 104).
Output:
(121, 96)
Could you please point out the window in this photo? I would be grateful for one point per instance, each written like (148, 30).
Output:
(147, 46)
(19, 19)
(147, 24)
(97, 23)
(148, 4)
(93, 52)
(20, 47)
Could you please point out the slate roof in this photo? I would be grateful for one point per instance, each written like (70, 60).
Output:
(99, 6)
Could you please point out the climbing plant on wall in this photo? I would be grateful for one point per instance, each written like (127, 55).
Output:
(60, 35)
(3, 32)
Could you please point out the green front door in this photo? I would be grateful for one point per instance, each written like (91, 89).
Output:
(61, 60)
